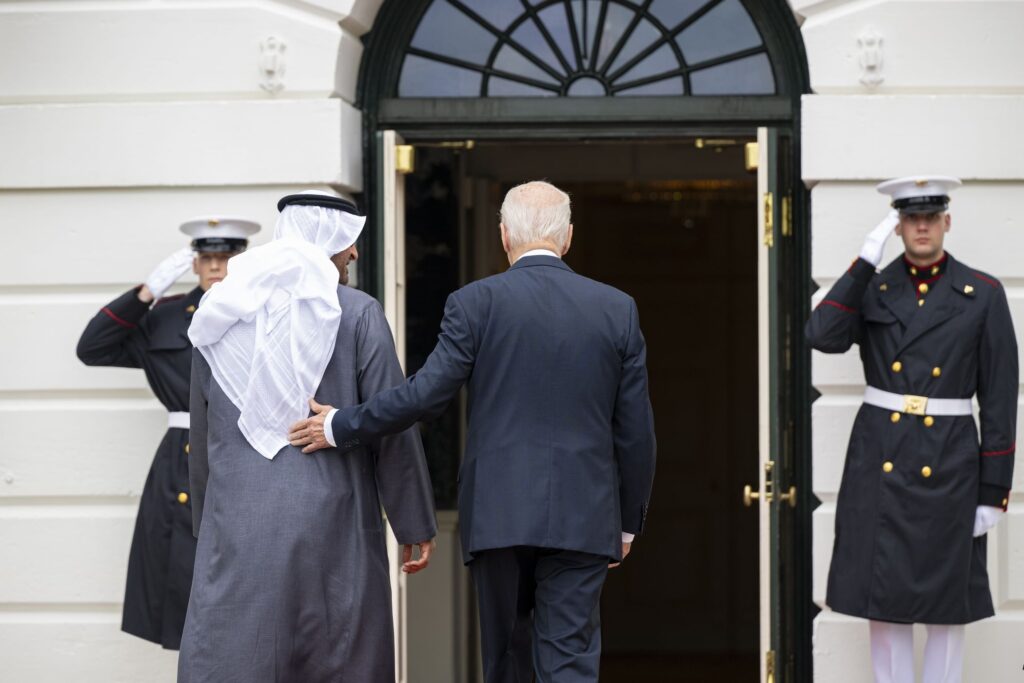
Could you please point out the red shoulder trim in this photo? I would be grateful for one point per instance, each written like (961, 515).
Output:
(120, 321)
(1009, 450)
(841, 307)
(987, 279)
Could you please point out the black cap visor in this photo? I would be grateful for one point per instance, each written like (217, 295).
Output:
(326, 201)
(219, 245)
(929, 204)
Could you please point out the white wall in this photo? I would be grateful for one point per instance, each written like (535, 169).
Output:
(118, 121)
(950, 102)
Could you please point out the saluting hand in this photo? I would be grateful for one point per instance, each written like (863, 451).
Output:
(310, 432)
(874, 245)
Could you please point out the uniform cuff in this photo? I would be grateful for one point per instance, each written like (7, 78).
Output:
(329, 428)
(996, 496)
(862, 271)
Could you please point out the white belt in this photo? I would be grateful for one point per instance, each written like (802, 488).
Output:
(917, 405)
(177, 420)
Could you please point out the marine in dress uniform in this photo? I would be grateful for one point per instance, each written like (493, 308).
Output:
(920, 485)
(134, 332)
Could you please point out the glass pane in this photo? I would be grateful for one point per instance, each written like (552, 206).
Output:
(673, 12)
(500, 87)
(529, 37)
(615, 23)
(668, 86)
(641, 38)
(500, 13)
(557, 23)
(447, 31)
(587, 87)
(724, 30)
(747, 76)
(661, 60)
(586, 32)
(513, 62)
(427, 78)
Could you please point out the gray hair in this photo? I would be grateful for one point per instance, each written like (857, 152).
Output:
(534, 212)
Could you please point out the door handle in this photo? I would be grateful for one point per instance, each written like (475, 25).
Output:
(749, 496)
(789, 497)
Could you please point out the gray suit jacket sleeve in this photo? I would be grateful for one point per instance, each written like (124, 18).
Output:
(198, 461)
(633, 427)
(426, 394)
(402, 477)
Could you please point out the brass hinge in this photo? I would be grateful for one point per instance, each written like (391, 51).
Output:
(405, 159)
(769, 220)
(787, 216)
(750, 156)
(769, 666)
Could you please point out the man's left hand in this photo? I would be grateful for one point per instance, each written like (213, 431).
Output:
(310, 432)
(625, 551)
(410, 566)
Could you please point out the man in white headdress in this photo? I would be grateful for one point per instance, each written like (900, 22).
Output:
(291, 577)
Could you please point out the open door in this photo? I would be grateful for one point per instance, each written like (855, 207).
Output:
(776, 496)
(395, 161)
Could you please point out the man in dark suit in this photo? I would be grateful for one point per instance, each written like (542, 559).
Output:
(560, 453)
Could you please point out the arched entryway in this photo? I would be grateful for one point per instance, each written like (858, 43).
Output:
(644, 110)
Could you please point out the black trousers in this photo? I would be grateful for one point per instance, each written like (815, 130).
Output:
(540, 612)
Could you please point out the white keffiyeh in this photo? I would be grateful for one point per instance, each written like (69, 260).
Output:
(268, 329)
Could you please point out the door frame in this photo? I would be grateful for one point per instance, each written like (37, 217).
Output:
(567, 119)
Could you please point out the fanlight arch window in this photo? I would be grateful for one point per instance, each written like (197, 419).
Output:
(570, 48)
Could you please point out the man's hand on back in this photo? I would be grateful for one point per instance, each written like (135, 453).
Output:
(310, 432)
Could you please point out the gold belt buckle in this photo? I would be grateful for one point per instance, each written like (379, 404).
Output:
(914, 405)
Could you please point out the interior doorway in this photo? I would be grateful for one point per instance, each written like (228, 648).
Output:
(670, 222)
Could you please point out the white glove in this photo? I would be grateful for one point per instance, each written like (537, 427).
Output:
(169, 270)
(874, 245)
(986, 517)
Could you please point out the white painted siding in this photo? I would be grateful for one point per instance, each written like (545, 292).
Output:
(118, 121)
(950, 102)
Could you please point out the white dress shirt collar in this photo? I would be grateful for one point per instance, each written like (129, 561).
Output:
(539, 252)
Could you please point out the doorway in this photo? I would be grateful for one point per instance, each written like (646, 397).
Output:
(672, 223)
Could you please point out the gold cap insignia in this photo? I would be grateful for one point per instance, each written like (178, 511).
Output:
(213, 222)
(920, 183)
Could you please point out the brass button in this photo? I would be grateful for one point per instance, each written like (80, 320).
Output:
(897, 366)
(968, 289)
(920, 302)
(190, 309)
(926, 471)
(936, 371)
(1005, 501)
(929, 421)
(895, 417)
(186, 449)
(887, 467)
(182, 497)
(923, 288)
(883, 287)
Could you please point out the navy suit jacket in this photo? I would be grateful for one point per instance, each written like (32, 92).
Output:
(560, 451)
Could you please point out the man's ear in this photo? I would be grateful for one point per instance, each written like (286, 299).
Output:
(195, 265)
(949, 222)
(568, 241)
(504, 238)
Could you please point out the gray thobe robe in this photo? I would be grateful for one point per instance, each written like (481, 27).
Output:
(291, 577)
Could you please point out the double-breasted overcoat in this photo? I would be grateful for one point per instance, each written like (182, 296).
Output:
(128, 333)
(904, 546)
